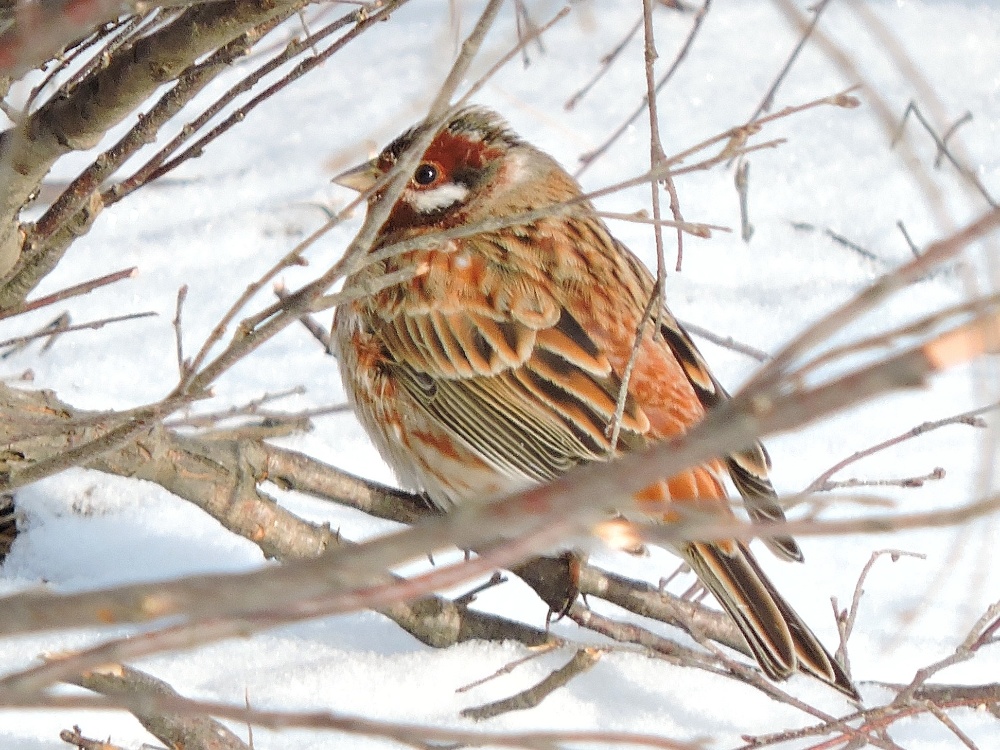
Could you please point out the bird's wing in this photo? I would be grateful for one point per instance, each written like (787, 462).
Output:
(748, 467)
(531, 393)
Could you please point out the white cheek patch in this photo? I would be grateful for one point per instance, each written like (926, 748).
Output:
(429, 201)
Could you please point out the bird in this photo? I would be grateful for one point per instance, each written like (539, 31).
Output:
(493, 361)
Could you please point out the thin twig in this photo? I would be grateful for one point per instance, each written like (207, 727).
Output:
(506, 669)
(804, 226)
(582, 660)
(845, 624)
(399, 732)
(753, 677)
(614, 429)
(941, 716)
(742, 181)
(764, 380)
(920, 480)
(942, 147)
(971, 418)
(606, 63)
(967, 117)
(963, 652)
(768, 100)
(192, 81)
(695, 229)
(72, 291)
(906, 236)
(727, 342)
(92, 325)
(523, 41)
(182, 365)
(656, 158)
(363, 19)
(176, 730)
(50, 331)
(318, 331)
(591, 156)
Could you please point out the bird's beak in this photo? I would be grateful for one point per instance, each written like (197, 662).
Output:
(361, 177)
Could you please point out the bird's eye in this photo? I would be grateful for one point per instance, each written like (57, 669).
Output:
(425, 174)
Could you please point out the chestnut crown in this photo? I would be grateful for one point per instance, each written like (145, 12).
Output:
(474, 154)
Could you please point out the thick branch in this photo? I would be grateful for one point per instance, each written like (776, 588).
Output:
(221, 478)
(80, 119)
(173, 729)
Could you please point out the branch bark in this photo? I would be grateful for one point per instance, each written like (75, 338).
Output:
(176, 730)
(79, 120)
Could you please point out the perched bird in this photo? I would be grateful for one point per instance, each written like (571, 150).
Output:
(498, 365)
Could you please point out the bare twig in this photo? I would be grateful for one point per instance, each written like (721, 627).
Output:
(73, 291)
(847, 620)
(905, 482)
(145, 173)
(606, 63)
(768, 100)
(591, 156)
(656, 158)
(626, 632)
(971, 418)
(727, 342)
(941, 716)
(582, 660)
(641, 217)
(192, 81)
(182, 365)
(880, 105)
(524, 39)
(906, 236)
(967, 117)
(936, 254)
(92, 325)
(535, 653)
(613, 430)
(963, 652)
(404, 733)
(363, 20)
(742, 182)
(49, 331)
(803, 226)
(320, 333)
(526, 28)
(942, 147)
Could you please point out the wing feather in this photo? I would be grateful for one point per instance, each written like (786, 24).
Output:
(748, 467)
(587, 426)
(568, 340)
(471, 343)
(532, 403)
(511, 341)
(446, 343)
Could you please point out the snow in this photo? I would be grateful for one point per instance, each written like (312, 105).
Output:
(220, 220)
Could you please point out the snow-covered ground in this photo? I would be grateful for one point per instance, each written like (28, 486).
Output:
(220, 220)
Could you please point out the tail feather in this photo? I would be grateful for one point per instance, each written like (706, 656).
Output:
(780, 641)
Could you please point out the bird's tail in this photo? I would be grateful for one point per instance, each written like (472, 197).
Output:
(781, 642)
